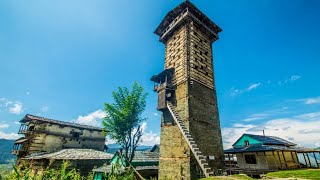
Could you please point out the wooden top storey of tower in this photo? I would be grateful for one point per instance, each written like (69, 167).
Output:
(183, 13)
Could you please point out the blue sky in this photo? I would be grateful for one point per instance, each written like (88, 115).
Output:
(62, 59)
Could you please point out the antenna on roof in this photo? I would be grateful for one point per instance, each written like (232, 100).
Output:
(263, 133)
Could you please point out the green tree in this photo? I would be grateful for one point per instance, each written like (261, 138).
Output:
(124, 118)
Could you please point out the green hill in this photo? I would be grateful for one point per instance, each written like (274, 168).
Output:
(5, 155)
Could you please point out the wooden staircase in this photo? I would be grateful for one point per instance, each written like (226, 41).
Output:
(201, 159)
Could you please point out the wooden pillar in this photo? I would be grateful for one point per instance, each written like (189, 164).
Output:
(305, 160)
(265, 156)
(284, 158)
(279, 159)
(315, 158)
(292, 157)
(229, 164)
(277, 167)
(297, 159)
(258, 160)
(309, 159)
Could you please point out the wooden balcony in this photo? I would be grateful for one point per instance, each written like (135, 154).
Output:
(24, 129)
(16, 152)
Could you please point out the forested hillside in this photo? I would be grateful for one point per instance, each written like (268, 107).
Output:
(5, 149)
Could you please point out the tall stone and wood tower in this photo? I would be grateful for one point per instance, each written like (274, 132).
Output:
(191, 143)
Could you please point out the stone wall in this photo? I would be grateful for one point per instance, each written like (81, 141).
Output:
(46, 137)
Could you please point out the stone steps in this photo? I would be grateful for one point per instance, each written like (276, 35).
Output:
(201, 159)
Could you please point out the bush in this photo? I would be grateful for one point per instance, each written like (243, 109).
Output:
(27, 172)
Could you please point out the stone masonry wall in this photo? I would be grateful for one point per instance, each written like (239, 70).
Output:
(189, 51)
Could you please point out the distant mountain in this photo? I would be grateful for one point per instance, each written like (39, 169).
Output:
(113, 148)
(5, 155)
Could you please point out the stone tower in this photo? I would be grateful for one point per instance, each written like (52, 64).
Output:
(191, 142)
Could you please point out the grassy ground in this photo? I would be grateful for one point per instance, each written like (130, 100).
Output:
(5, 168)
(302, 174)
(313, 174)
(233, 177)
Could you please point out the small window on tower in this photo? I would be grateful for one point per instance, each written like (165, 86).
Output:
(196, 46)
(195, 33)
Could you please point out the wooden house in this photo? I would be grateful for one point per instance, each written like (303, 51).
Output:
(258, 154)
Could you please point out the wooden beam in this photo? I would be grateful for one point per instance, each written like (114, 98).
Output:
(275, 160)
(305, 160)
(315, 158)
(284, 158)
(309, 159)
(279, 159)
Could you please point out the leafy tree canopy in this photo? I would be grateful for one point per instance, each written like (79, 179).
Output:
(124, 118)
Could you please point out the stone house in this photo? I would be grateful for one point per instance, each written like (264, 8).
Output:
(83, 160)
(43, 135)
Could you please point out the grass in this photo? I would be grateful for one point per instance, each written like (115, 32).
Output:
(232, 177)
(313, 174)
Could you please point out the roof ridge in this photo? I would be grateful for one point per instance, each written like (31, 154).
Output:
(40, 118)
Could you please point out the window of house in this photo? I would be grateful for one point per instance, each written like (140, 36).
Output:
(246, 143)
(250, 159)
(76, 135)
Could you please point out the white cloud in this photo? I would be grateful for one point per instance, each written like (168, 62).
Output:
(253, 86)
(4, 102)
(255, 117)
(149, 138)
(91, 119)
(310, 101)
(295, 77)
(315, 100)
(28, 93)
(16, 108)
(302, 129)
(110, 141)
(155, 114)
(234, 91)
(4, 126)
(8, 136)
(44, 109)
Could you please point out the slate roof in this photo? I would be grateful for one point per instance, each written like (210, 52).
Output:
(155, 148)
(30, 117)
(192, 12)
(261, 148)
(72, 154)
(107, 169)
(145, 156)
(269, 140)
